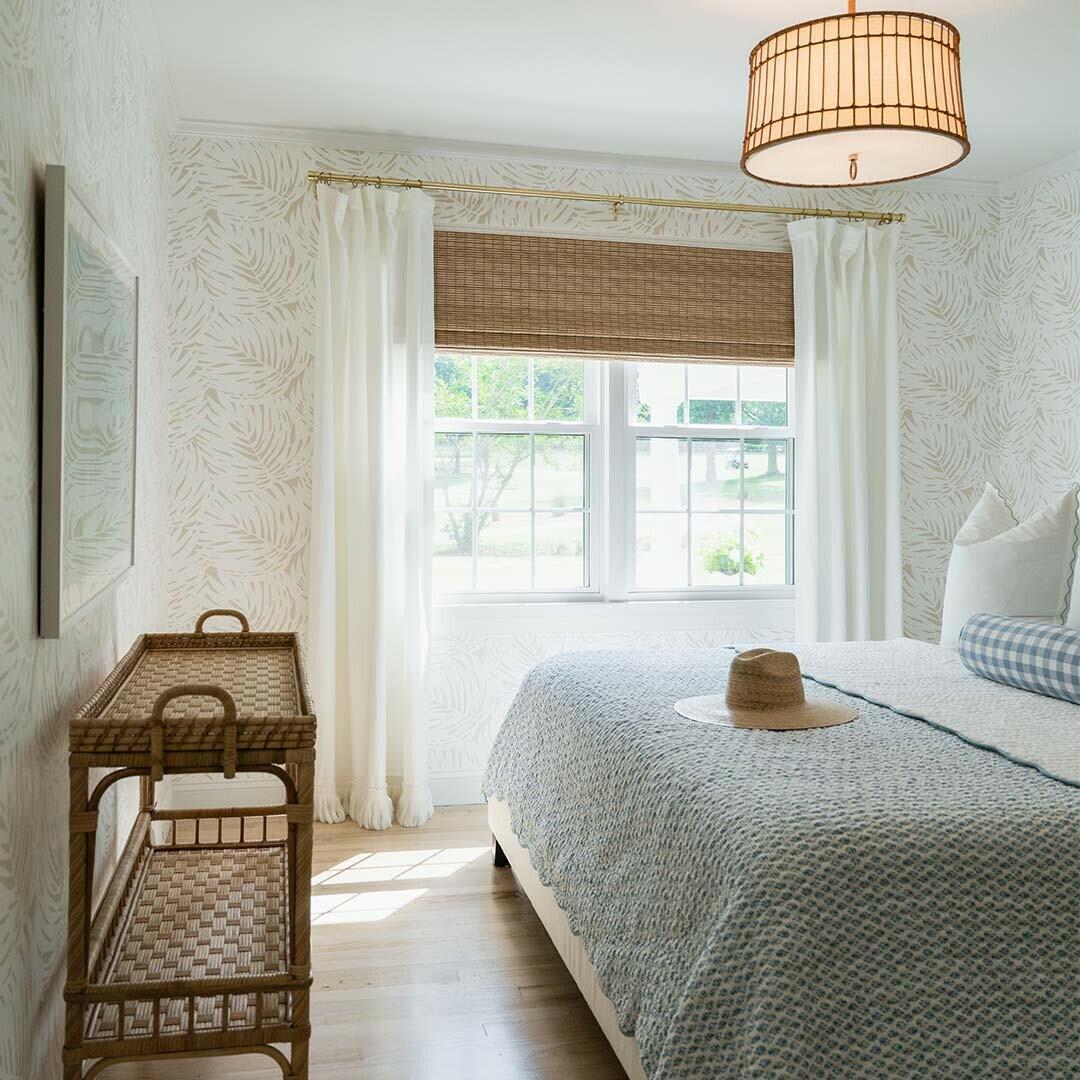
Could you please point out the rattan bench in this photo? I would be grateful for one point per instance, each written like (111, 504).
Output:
(200, 944)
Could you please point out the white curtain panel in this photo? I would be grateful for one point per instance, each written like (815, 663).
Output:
(847, 456)
(370, 569)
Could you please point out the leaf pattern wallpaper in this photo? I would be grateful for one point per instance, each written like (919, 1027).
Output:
(1039, 384)
(242, 244)
(76, 88)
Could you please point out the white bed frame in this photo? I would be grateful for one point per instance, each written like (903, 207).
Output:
(562, 937)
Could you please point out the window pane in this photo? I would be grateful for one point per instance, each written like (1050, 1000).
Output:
(453, 469)
(453, 386)
(764, 538)
(452, 552)
(716, 550)
(558, 389)
(560, 551)
(660, 390)
(713, 392)
(560, 471)
(766, 469)
(661, 551)
(661, 474)
(502, 564)
(764, 395)
(715, 465)
(502, 471)
(502, 387)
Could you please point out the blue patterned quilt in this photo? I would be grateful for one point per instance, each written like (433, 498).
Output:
(879, 899)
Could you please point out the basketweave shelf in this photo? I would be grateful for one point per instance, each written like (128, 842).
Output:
(200, 944)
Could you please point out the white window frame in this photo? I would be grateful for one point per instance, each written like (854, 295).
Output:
(610, 476)
(595, 518)
(625, 464)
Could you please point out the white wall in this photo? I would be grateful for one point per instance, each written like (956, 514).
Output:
(78, 86)
(242, 248)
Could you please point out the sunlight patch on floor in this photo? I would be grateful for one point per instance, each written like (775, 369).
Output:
(337, 908)
(331, 904)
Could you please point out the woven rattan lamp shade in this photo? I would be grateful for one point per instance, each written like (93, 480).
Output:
(543, 294)
(855, 99)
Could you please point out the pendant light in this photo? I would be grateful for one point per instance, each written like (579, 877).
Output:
(855, 99)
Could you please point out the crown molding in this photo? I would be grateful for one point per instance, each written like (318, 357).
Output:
(944, 185)
(374, 142)
(1048, 171)
(421, 146)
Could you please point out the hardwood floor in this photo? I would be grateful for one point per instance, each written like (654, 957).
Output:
(428, 965)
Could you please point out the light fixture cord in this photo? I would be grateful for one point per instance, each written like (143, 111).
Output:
(851, 7)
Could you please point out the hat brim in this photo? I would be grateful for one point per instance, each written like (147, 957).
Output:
(713, 709)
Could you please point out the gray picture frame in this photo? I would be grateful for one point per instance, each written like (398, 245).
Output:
(89, 410)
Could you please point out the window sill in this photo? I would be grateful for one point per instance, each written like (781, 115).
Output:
(760, 610)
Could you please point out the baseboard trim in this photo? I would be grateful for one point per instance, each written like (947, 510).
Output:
(202, 792)
(205, 791)
(456, 789)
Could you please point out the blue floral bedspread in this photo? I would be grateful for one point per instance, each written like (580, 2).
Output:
(879, 899)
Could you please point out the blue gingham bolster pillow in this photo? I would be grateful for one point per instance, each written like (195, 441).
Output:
(1036, 656)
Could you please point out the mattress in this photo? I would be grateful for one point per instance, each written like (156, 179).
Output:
(567, 944)
(883, 899)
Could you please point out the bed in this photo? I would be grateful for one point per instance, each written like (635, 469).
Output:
(895, 897)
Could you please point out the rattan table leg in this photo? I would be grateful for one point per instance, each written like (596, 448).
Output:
(298, 1069)
(301, 912)
(78, 930)
(146, 793)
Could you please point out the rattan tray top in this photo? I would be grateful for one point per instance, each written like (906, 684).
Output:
(262, 674)
(262, 682)
(200, 914)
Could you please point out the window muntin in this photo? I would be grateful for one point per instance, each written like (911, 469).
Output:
(714, 499)
(531, 452)
(514, 448)
(712, 395)
(711, 513)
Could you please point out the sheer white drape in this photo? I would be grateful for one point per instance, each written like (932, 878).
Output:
(847, 416)
(370, 570)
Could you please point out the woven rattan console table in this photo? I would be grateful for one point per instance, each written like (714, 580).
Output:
(200, 944)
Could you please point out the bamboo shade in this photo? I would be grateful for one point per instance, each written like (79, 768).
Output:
(543, 294)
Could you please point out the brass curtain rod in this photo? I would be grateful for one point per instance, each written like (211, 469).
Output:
(617, 202)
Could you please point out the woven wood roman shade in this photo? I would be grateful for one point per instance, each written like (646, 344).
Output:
(543, 294)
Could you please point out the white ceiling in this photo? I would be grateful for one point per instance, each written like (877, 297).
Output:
(655, 78)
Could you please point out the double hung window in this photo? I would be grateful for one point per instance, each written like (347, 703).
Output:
(560, 477)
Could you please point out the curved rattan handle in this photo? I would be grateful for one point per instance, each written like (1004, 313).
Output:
(157, 726)
(240, 617)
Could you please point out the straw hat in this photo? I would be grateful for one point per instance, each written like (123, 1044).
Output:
(765, 691)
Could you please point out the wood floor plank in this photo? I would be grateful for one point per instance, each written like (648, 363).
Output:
(428, 964)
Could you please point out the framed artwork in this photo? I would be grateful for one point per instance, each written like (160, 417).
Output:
(90, 347)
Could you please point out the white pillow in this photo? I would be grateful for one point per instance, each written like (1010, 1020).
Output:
(1074, 604)
(999, 567)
